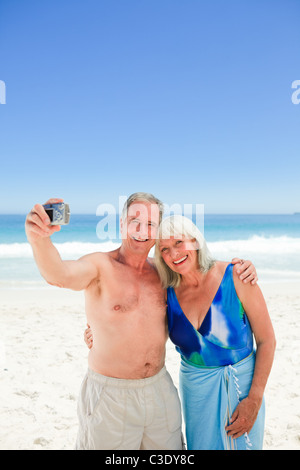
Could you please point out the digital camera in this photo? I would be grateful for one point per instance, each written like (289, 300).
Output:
(59, 213)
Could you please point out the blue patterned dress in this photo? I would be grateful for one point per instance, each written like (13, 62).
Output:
(217, 365)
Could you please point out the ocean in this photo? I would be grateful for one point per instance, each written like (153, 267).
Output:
(271, 242)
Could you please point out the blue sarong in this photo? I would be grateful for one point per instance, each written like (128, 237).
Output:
(209, 396)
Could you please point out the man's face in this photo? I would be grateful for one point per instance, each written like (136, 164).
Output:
(141, 226)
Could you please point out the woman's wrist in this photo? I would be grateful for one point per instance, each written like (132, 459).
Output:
(256, 395)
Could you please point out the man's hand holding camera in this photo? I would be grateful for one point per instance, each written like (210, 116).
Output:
(43, 221)
(40, 224)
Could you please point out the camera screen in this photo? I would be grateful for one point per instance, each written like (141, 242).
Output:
(49, 212)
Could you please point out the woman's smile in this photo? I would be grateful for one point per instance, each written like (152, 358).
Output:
(181, 260)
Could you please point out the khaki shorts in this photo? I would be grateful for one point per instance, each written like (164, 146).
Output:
(129, 414)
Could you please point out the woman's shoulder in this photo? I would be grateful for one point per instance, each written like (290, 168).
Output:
(220, 267)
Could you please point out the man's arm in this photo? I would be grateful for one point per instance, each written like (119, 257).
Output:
(246, 270)
(76, 275)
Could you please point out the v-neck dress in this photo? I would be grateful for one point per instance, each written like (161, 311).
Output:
(216, 370)
(224, 337)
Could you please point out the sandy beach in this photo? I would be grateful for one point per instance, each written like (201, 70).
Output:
(43, 359)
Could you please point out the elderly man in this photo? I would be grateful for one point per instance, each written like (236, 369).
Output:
(127, 399)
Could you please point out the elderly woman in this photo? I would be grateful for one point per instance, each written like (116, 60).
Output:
(212, 317)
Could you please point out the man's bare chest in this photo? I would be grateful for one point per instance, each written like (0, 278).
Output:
(123, 290)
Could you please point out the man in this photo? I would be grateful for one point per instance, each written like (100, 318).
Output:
(127, 400)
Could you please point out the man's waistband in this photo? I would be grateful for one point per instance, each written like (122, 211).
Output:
(126, 383)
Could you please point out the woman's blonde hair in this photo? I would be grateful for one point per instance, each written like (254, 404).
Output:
(178, 226)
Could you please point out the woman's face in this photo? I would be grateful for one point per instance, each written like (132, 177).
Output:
(180, 254)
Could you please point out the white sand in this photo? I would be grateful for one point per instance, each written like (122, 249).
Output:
(43, 359)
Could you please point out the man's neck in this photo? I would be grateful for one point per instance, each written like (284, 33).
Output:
(137, 261)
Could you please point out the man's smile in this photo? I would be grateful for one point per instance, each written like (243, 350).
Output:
(140, 239)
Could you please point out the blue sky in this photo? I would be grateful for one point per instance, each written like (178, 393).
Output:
(187, 99)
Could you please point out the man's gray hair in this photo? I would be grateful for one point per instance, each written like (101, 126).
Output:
(142, 197)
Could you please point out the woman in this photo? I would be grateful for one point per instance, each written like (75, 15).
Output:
(212, 317)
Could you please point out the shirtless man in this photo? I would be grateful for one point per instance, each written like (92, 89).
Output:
(127, 400)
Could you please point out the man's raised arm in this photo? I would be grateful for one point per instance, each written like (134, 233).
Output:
(76, 275)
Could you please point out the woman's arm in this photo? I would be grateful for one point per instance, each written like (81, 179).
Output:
(88, 337)
(255, 307)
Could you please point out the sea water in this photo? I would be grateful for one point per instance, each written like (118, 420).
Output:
(271, 242)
